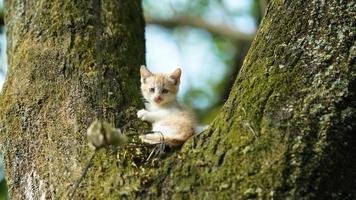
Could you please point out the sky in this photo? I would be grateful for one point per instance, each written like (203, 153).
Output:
(1, 167)
(3, 58)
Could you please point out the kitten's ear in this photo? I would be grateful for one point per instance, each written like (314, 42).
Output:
(176, 75)
(145, 73)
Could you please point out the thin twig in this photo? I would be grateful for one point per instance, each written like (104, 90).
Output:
(251, 129)
(152, 152)
(136, 146)
(159, 148)
(197, 22)
(82, 176)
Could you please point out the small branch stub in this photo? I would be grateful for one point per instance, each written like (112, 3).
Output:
(101, 134)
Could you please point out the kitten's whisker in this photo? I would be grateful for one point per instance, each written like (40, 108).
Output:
(162, 144)
(148, 158)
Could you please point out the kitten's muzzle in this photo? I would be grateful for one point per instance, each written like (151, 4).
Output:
(158, 99)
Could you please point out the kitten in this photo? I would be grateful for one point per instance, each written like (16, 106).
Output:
(171, 124)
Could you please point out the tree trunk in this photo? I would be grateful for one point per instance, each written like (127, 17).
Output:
(288, 128)
(69, 63)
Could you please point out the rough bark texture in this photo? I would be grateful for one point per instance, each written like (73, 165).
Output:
(288, 128)
(69, 63)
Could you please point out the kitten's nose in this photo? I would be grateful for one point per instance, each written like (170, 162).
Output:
(158, 99)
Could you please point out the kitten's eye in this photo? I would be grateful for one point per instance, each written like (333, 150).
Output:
(164, 91)
(152, 90)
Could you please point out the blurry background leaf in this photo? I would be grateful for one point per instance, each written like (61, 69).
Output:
(3, 61)
(3, 186)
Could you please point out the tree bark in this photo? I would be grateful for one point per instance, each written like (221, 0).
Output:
(288, 129)
(70, 62)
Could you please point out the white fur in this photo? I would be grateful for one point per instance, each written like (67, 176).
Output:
(155, 115)
(165, 130)
(148, 140)
(152, 116)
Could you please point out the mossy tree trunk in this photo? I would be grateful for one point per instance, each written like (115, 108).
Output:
(69, 63)
(288, 129)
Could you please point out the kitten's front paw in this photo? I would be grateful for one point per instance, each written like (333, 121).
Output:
(142, 114)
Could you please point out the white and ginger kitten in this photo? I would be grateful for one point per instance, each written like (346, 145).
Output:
(171, 124)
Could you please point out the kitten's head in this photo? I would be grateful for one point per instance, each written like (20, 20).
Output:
(159, 89)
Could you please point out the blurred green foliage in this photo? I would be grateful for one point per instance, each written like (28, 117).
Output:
(3, 190)
(3, 186)
(2, 66)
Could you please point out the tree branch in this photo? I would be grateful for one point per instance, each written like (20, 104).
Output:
(217, 29)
